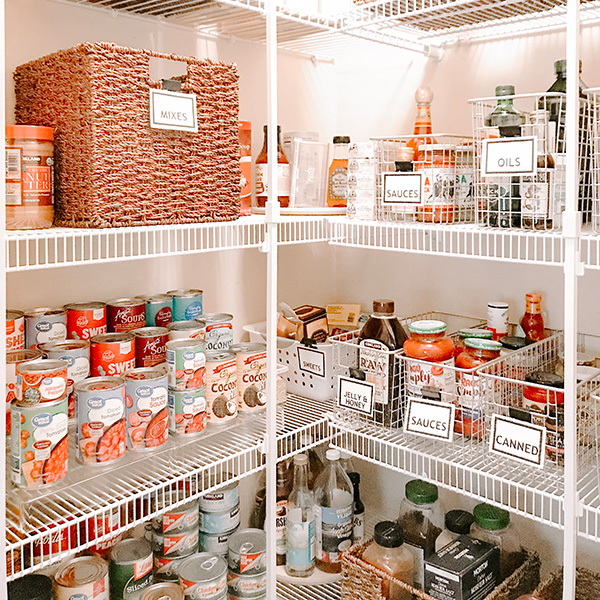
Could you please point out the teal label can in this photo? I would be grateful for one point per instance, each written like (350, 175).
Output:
(187, 304)
(159, 310)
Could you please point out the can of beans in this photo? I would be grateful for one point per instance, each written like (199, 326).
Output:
(224, 499)
(76, 353)
(159, 310)
(251, 364)
(125, 314)
(43, 380)
(193, 330)
(100, 405)
(187, 411)
(247, 552)
(112, 354)
(82, 577)
(221, 387)
(147, 413)
(186, 364)
(176, 544)
(150, 346)
(45, 325)
(216, 543)
(85, 320)
(100, 526)
(39, 445)
(130, 569)
(203, 575)
(187, 304)
(165, 590)
(247, 586)
(15, 330)
(218, 331)
(176, 520)
(14, 358)
(219, 522)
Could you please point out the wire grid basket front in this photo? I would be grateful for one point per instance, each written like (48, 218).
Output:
(445, 168)
(594, 96)
(534, 201)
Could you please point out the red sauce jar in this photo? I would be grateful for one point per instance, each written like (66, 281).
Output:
(539, 399)
(468, 334)
(438, 166)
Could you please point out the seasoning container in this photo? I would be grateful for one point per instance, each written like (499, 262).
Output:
(29, 177)
(458, 522)
(538, 399)
(555, 435)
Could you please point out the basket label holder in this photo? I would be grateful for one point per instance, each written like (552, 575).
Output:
(173, 110)
(518, 440)
(311, 361)
(355, 395)
(402, 189)
(509, 156)
(430, 419)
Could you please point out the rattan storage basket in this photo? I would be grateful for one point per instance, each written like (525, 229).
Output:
(587, 586)
(362, 580)
(112, 169)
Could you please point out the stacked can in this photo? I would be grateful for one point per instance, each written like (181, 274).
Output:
(219, 519)
(174, 537)
(203, 576)
(247, 573)
(221, 387)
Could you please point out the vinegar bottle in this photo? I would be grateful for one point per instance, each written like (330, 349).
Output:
(337, 182)
(283, 173)
(422, 131)
(284, 487)
(532, 322)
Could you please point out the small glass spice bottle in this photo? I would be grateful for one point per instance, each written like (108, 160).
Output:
(458, 522)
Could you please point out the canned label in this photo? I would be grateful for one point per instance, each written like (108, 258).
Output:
(44, 380)
(14, 358)
(214, 543)
(110, 356)
(125, 315)
(210, 590)
(251, 381)
(58, 539)
(187, 304)
(85, 320)
(45, 325)
(159, 312)
(221, 388)
(222, 500)
(247, 585)
(175, 545)
(167, 568)
(219, 522)
(15, 330)
(218, 336)
(187, 411)
(150, 346)
(179, 519)
(193, 330)
(102, 525)
(83, 578)
(186, 364)
(128, 580)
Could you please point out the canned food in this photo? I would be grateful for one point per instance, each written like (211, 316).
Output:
(100, 419)
(175, 520)
(219, 522)
(187, 304)
(150, 346)
(163, 591)
(14, 358)
(39, 443)
(247, 552)
(251, 365)
(221, 387)
(247, 586)
(43, 380)
(167, 568)
(203, 575)
(187, 411)
(112, 354)
(125, 314)
(76, 353)
(186, 363)
(45, 325)
(225, 498)
(99, 527)
(85, 320)
(261, 597)
(85, 577)
(193, 330)
(61, 537)
(159, 312)
(216, 543)
(175, 544)
(30, 587)
(147, 413)
(130, 569)
(218, 331)
(15, 330)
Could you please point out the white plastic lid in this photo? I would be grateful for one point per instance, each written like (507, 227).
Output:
(332, 454)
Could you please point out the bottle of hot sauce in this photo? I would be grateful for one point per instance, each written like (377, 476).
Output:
(422, 131)
(532, 322)
(283, 173)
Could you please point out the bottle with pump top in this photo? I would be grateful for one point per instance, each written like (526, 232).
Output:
(423, 129)
(337, 187)
(358, 524)
(283, 173)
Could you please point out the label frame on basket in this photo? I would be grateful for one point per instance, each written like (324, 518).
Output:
(509, 156)
(442, 413)
(173, 111)
(522, 432)
(399, 185)
(310, 366)
(349, 388)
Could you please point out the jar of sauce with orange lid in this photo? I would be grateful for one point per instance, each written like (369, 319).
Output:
(429, 352)
(29, 177)
(438, 168)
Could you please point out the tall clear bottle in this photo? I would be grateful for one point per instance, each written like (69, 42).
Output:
(334, 502)
(300, 523)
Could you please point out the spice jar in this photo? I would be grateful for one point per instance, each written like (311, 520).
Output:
(538, 399)
(458, 522)
(438, 165)
(29, 177)
(555, 435)
(464, 334)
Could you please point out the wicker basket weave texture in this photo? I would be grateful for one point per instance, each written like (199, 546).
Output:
(362, 580)
(112, 169)
(587, 587)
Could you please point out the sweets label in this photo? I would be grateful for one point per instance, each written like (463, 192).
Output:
(311, 361)
(430, 419)
(355, 395)
(521, 441)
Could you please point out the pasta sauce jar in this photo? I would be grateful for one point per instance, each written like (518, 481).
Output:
(438, 168)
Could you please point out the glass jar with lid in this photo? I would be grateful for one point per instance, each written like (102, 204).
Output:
(541, 395)
(437, 164)
(465, 334)
(457, 522)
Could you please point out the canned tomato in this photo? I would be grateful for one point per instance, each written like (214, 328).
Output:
(39, 443)
(203, 576)
(84, 577)
(163, 591)
(85, 320)
(221, 387)
(175, 520)
(76, 353)
(147, 413)
(187, 411)
(43, 380)
(216, 543)
(193, 330)
(247, 550)
(218, 331)
(186, 363)
(187, 304)
(102, 525)
(130, 569)
(14, 358)
(167, 569)
(45, 325)
(112, 354)
(247, 586)
(61, 537)
(15, 330)
(251, 365)
(223, 499)
(219, 522)
(159, 311)
(125, 314)
(100, 405)
(150, 346)
(175, 545)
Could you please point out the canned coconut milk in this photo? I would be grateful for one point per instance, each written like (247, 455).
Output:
(219, 522)
(112, 354)
(163, 591)
(187, 411)
(247, 552)
(43, 380)
(175, 520)
(147, 413)
(247, 586)
(15, 330)
(193, 330)
(186, 363)
(85, 320)
(221, 387)
(125, 314)
(39, 444)
(187, 304)
(203, 576)
(159, 312)
(150, 346)
(45, 325)
(130, 569)
(251, 366)
(14, 358)
(175, 544)
(225, 498)
(100, 405)
(85, 577)
(218, 331)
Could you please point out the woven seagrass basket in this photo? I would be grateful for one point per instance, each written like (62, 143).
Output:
(362, 580)
(112, 169)
(587, 587)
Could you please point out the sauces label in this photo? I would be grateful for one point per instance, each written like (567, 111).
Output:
(374, 361)
(431, 379)
(402, 189)
(521, 441)
(430, 419)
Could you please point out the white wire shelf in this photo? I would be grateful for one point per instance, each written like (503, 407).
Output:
(142, 484)
(330, 591)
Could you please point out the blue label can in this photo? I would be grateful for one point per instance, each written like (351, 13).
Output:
(187, 304)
